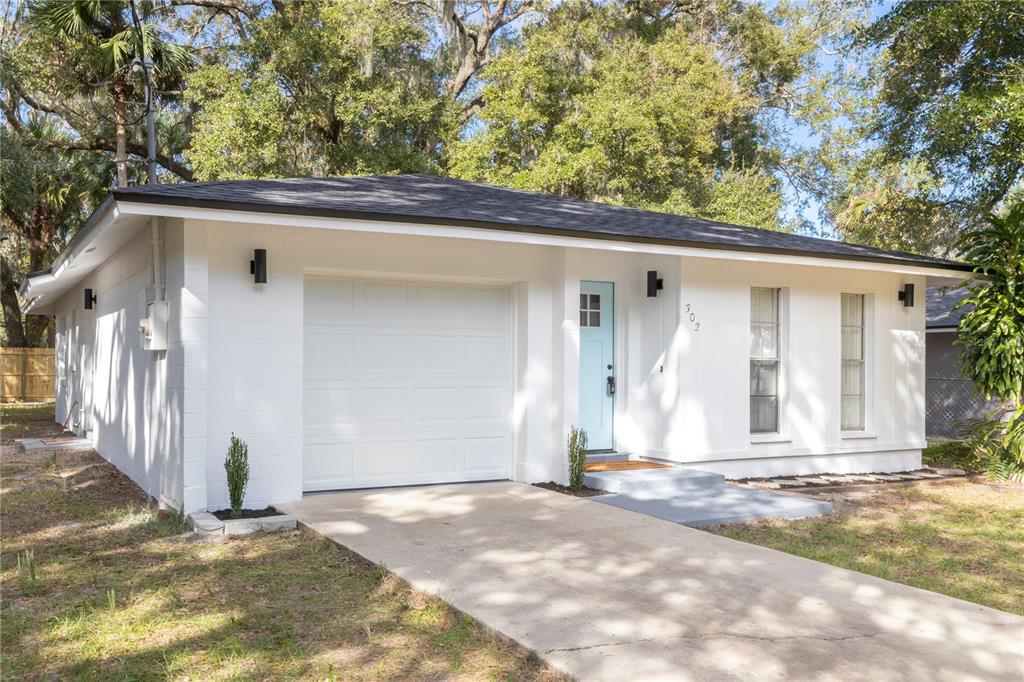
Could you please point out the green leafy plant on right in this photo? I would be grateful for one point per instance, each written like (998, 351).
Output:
(236, 464)
(577, 456)
(991, 338)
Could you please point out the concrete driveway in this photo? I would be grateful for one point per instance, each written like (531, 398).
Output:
(608, 594)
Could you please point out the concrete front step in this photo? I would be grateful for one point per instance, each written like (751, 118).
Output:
(595, 457)
(656, 482)
(728, 503)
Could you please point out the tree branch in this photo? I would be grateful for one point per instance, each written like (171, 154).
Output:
(102, 144)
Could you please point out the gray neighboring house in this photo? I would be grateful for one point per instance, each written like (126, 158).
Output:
(950, 400)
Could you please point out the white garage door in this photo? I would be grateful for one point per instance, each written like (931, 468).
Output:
(405, 383)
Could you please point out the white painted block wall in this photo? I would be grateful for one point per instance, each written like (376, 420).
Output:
(234, 360)
(132, 401)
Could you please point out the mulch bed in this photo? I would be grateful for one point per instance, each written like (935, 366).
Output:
(225, 514)
(565, 490)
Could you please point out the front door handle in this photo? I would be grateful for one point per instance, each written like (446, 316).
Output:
(611, 385)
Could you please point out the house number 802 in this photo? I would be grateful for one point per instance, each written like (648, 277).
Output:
(691, 317)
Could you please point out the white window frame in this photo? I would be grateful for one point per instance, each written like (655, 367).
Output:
(782, 423)
(868, 431)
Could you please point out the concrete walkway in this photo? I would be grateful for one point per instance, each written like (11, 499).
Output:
(603, 593)
(697, 498)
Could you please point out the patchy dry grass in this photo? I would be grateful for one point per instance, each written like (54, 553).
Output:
(121, 593)
(964, 539)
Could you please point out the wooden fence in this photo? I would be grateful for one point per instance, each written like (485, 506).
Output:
(27, 374)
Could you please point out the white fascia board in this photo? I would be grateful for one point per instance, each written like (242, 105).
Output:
(46, 287)
(516, 237)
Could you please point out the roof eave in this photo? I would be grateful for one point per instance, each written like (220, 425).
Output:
(211, 204)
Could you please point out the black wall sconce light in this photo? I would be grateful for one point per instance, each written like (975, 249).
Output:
(90, 299)
(906, 294)
(654, 284)
(258, 266)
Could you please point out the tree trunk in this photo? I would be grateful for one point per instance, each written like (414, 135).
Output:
(120, 118)
(12, 310)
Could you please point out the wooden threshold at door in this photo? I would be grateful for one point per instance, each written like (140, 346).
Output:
(623, 466)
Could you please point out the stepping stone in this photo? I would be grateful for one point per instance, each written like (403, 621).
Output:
(888, 478)
(839, 479)
(765, 485)
(927, 474)
(950, 472)
(812, 480)
(861, 478)
(789, 483)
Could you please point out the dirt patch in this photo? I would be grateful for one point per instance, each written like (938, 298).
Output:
(225, 514)
(566, 490)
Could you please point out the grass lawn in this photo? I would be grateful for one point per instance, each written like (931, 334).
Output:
(121, 593)
(964, 539)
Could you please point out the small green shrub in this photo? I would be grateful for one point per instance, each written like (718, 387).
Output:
(989, 446)
(577, 456)
(236, 464)
(957, 454)
(27, 569)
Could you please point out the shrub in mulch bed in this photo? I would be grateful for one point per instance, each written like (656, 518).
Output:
(584, 491)
(225, 514)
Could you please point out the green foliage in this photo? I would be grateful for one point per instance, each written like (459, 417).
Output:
(895, 205)
(322, 88)
(987, 445)
(991, 332)
(952, 455)
(598, 104)
(949, 75)
(577, 443)
(236, 464)
(27, 570)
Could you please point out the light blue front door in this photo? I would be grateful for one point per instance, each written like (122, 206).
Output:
(597, 363)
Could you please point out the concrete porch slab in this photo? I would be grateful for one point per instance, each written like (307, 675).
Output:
(725, 504)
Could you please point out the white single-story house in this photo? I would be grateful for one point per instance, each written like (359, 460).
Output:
(401, 330)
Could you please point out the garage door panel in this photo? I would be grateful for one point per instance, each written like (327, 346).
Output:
(328, 405)
(425, 397)
(437, 404)
(329, 463)
(438, 456)
(384, 405)
(382, 300)
(384, 351)
(436, 352)
(486, 455)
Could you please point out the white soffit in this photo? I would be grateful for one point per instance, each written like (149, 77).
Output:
(942, 276)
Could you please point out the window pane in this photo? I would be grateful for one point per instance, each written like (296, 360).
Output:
(583, 301)
(853, 343)
(595, 301)
(764, 415)
(764, 378)
(763, 305)
(853, 309)
(853, 378)
(852, 413)
(583, 318)
(595, 319)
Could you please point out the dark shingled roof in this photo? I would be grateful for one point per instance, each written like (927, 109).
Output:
(940, 308)
(444, 201)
